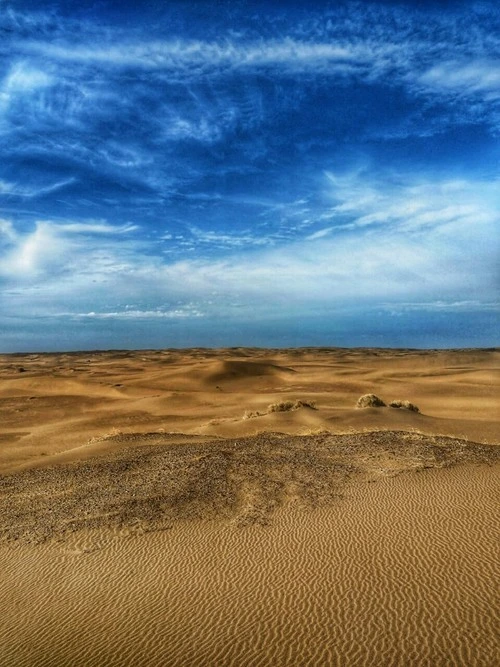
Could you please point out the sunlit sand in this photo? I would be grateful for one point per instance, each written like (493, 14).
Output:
(234, 507)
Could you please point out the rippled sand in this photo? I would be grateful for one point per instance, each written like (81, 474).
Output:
(154, 511)
(397, 572)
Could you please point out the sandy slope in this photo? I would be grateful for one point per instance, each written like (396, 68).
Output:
(146, 520)
(395, 573)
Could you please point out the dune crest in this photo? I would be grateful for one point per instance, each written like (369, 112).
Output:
(225, 371)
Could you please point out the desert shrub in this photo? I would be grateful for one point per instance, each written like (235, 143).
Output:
(282, 406)
(287, 406)
(370, 401)
(404, 404)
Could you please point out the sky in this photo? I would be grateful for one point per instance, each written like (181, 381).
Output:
(271, 174)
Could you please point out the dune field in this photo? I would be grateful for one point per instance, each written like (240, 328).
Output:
(235, 507)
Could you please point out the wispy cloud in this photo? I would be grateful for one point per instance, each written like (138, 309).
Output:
(464, 78)
(54, 249)
(7, 232)
(402, 240)
(471, 305)
(23, 77)
(184, 312)
(196, 57)
(29, 191)
(404, 54)
(218, 239)
(320, 234)
(94, 228)
(413, 205)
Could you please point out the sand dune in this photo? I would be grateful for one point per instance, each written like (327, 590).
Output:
(399, 572)
(156, 509)
(46, 396)
(229, 371)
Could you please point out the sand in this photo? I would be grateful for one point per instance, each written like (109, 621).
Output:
(155, 510)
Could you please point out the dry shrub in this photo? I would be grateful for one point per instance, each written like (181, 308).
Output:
(370, 401)
(282, 406)
(404, 404)
(287, 406)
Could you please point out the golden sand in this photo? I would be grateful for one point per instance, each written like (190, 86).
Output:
(145, 521)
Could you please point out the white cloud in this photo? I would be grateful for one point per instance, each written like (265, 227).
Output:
(23, 77)
(219, 239)
(413, 205)
(480, 76)
(29, 191)
(320, 233)
(96, 228)
(390, 239)
(424, 240)
(443, 306)
(423, 64)
(122, 156)
(196, 56)
(22, 80)
(52, 249)
(202, 130)
(409, 242)
(183, 312)
(7, 232)
(83, 65)
(42, 250)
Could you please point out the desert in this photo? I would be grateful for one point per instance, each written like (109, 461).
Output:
(249, 333)
(236, 507)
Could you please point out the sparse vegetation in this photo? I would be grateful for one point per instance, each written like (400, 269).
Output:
(282, 406)
(370, 401)
(373, 401)
(245, 483)
(406, 405)
(287, 406)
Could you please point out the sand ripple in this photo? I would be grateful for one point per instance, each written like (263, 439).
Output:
(370, 568)
(397, 573)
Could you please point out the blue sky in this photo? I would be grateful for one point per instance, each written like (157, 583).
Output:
(249, 173)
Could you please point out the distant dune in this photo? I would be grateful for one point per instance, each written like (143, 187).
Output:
(92, 395)
(235, 507)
